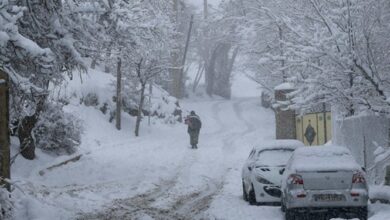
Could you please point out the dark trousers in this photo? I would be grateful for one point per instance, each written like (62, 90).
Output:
(194, 136)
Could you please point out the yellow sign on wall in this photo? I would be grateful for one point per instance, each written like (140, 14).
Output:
(315, 128)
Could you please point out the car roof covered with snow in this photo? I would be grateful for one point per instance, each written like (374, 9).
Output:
(321, 158)
(279, 144)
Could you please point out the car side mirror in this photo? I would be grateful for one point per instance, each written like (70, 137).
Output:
(251, 165)
(281, 171)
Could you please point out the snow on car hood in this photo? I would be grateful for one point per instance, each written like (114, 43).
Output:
(270, 173)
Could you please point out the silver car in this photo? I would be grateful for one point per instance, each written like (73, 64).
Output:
(260, 175)
(324, 179)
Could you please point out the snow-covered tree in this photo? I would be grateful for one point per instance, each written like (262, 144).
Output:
(263, 34)
(217, 45)
(141, 35)
(28, 66)
(16, 48)
(40, 44)
(333, 50)
(341, 55)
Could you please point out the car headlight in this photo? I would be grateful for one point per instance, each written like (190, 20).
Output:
(261, 179)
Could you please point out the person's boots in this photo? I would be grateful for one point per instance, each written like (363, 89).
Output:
(196, 146)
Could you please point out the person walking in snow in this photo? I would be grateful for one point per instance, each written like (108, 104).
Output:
(194, 124)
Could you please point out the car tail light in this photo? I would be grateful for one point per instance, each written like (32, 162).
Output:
(302, 195)
(355, 194)
(358, 177)
(295, 179)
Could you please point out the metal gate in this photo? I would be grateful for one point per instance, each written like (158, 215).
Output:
(4, 132)
(314, 128)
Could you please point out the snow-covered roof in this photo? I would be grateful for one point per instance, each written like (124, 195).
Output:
(285, 86)
(323, 158)
(279, 144)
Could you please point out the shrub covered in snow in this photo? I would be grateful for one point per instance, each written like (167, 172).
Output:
(167, 108)
(157, 104)
(130, 106)
(91, 99)
(57, 132)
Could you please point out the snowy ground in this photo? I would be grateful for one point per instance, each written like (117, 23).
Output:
(155, 176)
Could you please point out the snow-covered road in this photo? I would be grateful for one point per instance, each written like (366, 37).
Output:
(155, 176)
(201, 181)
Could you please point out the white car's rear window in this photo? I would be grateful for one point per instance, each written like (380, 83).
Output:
(323, 158)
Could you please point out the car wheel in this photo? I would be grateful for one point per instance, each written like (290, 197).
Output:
(290, 215)
(244, 194)
(363, 214)
(283, 206)
(252, 196)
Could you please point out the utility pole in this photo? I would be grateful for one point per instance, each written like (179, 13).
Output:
(187, 43)
(207, 52)
(150, 101)
(175, 71)
(205, 9)
(118, 94)
(5, 171)
(183, 62)
(176, 9)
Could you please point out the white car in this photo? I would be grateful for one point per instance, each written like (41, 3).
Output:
(261, 178)
(326, 180)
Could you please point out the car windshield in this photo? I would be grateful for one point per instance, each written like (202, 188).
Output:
(273, 158)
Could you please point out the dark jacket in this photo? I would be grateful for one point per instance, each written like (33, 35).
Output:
(194, 123)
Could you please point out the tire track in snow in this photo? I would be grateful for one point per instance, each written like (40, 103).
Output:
(216, 108)
(237, 106)
(141, 205)
(188, 206)
(198, 203)
(77, 190)
(195, 204)
(232, 137)
(184, 207)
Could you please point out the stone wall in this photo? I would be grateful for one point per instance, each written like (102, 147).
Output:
(284, 118)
